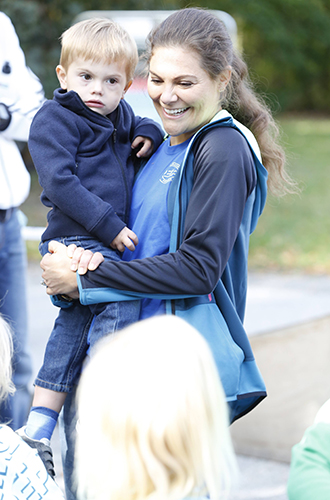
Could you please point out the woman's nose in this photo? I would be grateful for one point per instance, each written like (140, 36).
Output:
(168, 95)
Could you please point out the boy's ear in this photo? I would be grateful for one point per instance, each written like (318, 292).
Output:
(126, 88)
(61, 75)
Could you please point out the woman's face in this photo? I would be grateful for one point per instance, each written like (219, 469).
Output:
(184, 95)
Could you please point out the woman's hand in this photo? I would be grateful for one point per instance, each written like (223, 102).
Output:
(57, 274)
(83, 260)
(59, 263)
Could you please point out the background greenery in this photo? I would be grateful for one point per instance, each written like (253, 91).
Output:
(286, 42)
(287, 46)
(293, 233)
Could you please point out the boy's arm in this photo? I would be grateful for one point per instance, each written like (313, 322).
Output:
(53, 150)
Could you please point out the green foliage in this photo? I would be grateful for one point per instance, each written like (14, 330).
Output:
(287, 45)
(39, 25)
(293, 233)
(286, 42)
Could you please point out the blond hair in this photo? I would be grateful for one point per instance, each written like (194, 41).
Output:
(99, 40)
(6, 351)
(153, 421)
(200, 31)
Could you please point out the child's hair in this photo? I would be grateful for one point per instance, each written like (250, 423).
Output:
(6, 350)
(100, 40)
(153, 420)
(202, 32)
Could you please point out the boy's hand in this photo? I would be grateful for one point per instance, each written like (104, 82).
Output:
(147, 146)
(126, 238)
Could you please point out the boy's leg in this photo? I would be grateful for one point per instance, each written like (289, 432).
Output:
(112, 317)
(68, 422)
(46, 406)
(65, 352)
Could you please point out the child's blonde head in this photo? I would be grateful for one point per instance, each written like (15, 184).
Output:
(99, 40)
(153, 417)
(6, 350)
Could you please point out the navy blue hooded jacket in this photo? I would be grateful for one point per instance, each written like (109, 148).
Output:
(85, 166)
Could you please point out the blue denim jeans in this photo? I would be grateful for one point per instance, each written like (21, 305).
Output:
(13, 307)
(79, 327)
(68, 422)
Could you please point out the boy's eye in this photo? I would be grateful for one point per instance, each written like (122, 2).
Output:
(112, 81)
(86, 76)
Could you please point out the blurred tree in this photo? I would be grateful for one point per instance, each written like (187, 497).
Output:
(286, 42)
(39, 25)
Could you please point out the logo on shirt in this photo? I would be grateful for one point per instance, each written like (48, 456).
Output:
(170, 173)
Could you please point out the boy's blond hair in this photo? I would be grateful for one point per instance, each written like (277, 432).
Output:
(99, 40)
(6, 350)
(153, 420)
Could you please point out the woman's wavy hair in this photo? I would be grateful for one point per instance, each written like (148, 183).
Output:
(6, 351)
(153, 420)
(200, 31)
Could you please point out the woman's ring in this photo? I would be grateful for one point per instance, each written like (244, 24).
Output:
(43, 283)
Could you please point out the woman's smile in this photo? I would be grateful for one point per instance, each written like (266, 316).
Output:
(175, 112)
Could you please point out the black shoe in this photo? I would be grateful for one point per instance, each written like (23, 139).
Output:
(43, 448)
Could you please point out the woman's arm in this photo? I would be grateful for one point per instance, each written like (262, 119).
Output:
(224, 178)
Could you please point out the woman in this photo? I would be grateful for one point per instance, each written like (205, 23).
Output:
(198, 199)
(23, 474)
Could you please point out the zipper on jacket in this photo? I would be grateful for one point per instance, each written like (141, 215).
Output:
(173, 307)
(114, 138)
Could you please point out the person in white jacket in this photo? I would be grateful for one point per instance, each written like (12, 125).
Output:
(21, 95)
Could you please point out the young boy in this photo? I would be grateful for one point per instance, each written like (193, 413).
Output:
(81, 144)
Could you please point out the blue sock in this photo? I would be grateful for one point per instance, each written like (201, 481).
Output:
(41, 422)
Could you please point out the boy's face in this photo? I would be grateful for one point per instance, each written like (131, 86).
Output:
(100, 86)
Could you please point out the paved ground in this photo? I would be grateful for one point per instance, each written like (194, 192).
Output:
(274, 301)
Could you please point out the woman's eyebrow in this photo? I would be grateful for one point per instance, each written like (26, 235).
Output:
(179, 77)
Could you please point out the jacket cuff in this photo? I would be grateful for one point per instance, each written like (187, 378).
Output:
(5, 117)
(62, 301)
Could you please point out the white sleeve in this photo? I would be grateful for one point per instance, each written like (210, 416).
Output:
(20, 89)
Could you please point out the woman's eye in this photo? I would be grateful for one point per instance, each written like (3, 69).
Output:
(185, 84)
(155, 80)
